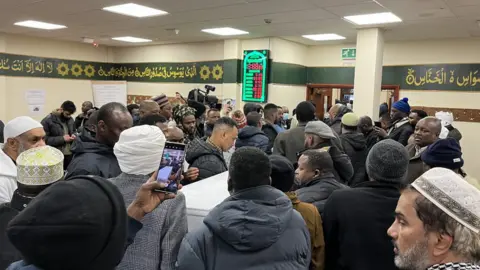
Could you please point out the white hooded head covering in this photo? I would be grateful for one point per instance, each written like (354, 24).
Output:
(139, 149)
(446, 117)
(18, 126)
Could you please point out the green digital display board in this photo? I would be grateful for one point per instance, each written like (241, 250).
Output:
(255, 71)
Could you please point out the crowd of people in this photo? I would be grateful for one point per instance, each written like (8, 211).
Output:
(343, 192)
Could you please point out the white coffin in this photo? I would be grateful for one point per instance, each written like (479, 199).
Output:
(204, 195)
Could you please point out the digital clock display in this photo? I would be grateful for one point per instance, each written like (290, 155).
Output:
(255, 72)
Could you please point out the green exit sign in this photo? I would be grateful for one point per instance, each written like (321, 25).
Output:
(349, 53)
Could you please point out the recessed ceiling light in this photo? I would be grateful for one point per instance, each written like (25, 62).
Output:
(225, 31)
(135, 10)
(324, 37)
(132, 39)
(40, 25)
(375, 18)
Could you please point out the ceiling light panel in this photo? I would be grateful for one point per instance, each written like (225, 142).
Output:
(132, 39)
(324, 37)
(40, 25)
(225, 31)
(375, 18)
(135, 10)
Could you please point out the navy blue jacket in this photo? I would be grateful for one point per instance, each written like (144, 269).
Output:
(253, 136)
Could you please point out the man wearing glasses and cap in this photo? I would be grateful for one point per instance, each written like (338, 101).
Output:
(437, 224)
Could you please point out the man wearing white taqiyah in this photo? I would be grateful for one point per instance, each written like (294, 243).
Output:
(20, 134)
(437, 224)
(139, 151)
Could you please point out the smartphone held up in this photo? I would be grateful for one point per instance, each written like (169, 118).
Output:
(171, 166)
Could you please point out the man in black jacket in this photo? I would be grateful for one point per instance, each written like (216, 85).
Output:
(212, 116)
(95, 156)
(270, 128)
(355, 220)
(400, 129)
(252, 135)
(60, 130)
(355, 146)
(83, 117)
(207, 155)
(315, 179)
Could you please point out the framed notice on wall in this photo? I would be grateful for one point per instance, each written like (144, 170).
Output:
(255, 74)
(109, 91)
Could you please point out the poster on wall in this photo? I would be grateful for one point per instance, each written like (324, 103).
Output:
(35, 99)
(109, 91)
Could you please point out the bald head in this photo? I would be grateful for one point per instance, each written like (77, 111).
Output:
(334, 110)
(365, 124)
(427, 131)
(148, 107)
(174, 134)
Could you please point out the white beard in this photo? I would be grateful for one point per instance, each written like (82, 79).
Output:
(415, 258)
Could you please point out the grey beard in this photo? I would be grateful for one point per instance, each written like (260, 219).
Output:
(415, 258)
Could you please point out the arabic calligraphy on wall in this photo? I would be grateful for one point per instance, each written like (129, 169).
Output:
(29, 66)
(441, 77)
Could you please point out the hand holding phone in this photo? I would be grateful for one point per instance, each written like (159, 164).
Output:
(171, 166)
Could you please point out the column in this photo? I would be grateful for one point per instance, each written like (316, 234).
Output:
(368, 72)
(3, 84)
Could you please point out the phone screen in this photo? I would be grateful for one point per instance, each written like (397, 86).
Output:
(378, 124)
(171, 166)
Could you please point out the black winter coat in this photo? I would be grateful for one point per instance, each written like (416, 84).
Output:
(318, 190)
(355, 224)
(206, 157)
(52, 124)
(355, 146)
(271, 133)
(253, 136)
(401, 132)
(92, 158)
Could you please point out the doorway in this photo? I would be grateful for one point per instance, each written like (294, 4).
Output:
(326, 95)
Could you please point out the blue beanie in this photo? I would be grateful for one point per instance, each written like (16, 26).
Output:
(445, 153)
(402, 105)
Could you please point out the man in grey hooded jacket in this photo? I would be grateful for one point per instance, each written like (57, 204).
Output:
(255, 228)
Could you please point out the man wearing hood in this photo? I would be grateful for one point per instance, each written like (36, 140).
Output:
(252, 135)
(355, 146)
(138, 152)
(80, 224)
(59, 128)
(21, 133)
(94, 156)
(255, 228)
(207, 155)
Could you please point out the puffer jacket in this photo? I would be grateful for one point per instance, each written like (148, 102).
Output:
(52, 124)
(318, 190)
(92, 158)
(207, 158)
(252, 136)
(355, 146)
(253, 229)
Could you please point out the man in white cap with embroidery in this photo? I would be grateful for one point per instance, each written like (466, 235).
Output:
(20, 134)
(437, 224)
(37, 169)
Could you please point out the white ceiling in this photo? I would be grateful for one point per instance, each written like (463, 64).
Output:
(422, 19)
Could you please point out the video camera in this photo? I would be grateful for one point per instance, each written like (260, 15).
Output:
(202, 96)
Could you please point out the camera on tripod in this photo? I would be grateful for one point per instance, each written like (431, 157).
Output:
(202, 96)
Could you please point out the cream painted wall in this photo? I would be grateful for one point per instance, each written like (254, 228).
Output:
(188, 52)
(57, 90)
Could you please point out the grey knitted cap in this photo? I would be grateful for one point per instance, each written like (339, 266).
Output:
(388, 162)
